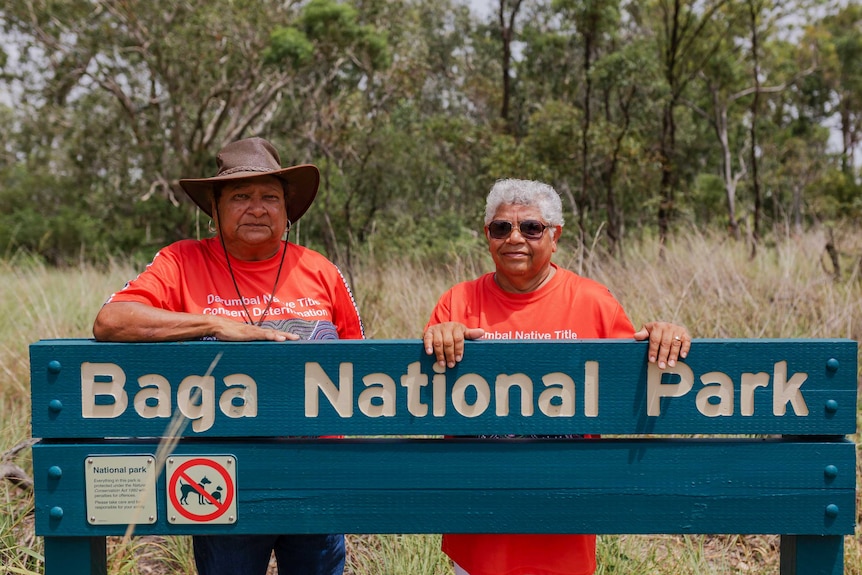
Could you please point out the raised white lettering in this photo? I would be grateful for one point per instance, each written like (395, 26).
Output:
(483, 395)
(502, 387)
(341, 398)
(438, 383)
(591, 389)
(158, 389)
(240, 399)
(414, 380)
(750, 382)
(559, 387)
(656, 389)
(196, 400)
(786, 391)
(718, 385)
(381, 387)
(113, 387)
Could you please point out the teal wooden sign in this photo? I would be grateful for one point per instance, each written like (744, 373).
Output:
(242, 463)
(86, 389)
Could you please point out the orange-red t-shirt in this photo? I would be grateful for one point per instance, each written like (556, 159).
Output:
(567, 307)
(312, 299)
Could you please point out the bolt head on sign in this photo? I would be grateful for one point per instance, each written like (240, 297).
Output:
(201, 489)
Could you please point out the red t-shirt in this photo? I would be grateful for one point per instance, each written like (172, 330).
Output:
(312, 298)
(567, 307)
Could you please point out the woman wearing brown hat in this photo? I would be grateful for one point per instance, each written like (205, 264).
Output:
(244, 284)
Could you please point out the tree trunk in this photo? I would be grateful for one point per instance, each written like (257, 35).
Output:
(585, 133)
(507, 35)
(668, 176)
(755, 109)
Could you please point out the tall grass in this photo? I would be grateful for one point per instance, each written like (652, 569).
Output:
(704, 281)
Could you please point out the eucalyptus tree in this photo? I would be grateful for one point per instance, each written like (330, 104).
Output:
(755, 8)
(335, 53)
(403, 112)
(595, 21)
(507, 15)
(828, 97)
(840, 47)
(771, 26)
(726, 80)
(590, 65)
(723, 86)
(137, 94)
(625, 81)
(687, 34)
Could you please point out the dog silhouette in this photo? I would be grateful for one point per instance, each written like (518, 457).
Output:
(216, 494)
(187, 488)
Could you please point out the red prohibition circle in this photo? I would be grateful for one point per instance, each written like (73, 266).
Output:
(219, 509)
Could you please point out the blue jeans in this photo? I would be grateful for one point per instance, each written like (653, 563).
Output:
(249, 554)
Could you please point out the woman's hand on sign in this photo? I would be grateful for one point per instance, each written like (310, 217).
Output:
(228, 330)
(446, 341)
(668, 342)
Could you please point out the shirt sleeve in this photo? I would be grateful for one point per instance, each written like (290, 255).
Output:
(442, 312)
(620, 326)
(158, 285)
(346, 312)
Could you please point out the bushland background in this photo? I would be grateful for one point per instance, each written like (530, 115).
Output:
(707, 153)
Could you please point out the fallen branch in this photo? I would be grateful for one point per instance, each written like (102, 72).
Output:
(16, 476)
(12, 472)
(12, 453)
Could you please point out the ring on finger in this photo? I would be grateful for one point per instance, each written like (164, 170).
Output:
(677, 338)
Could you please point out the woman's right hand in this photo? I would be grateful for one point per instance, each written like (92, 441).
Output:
(446, 341)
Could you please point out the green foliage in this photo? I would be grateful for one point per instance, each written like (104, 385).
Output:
(837, 198)
(63, 222)
(515, 160)
(554, 138)
(449, 235)
(706, 201)
(398, 102)
(288, 45)
(42, 214)
(16, 557)
(401, 198)
(332, 30)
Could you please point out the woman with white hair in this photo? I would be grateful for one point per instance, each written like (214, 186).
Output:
(528, 293)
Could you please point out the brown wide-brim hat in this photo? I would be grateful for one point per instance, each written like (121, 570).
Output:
(253, 158)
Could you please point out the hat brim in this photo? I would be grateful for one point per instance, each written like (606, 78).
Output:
(302, 183)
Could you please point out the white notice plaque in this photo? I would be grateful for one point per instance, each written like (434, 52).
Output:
(121, 489)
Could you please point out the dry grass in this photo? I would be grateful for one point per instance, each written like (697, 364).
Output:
(705, 282)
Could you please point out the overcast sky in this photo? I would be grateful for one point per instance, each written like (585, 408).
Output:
(481, 7)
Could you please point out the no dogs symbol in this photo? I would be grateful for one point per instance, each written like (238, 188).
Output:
(201, 489)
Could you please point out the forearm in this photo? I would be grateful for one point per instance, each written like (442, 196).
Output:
(136, 322)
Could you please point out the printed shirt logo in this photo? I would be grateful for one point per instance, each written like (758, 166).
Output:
(310, 330)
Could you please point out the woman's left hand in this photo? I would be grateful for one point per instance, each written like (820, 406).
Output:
(668, 342)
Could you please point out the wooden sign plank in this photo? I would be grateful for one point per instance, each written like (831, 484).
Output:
(494, 486)
(85, 389)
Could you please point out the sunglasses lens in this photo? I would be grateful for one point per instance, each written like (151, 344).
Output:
(531, 229)
(499, 229)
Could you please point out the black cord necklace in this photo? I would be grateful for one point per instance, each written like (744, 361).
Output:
(236, 286)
